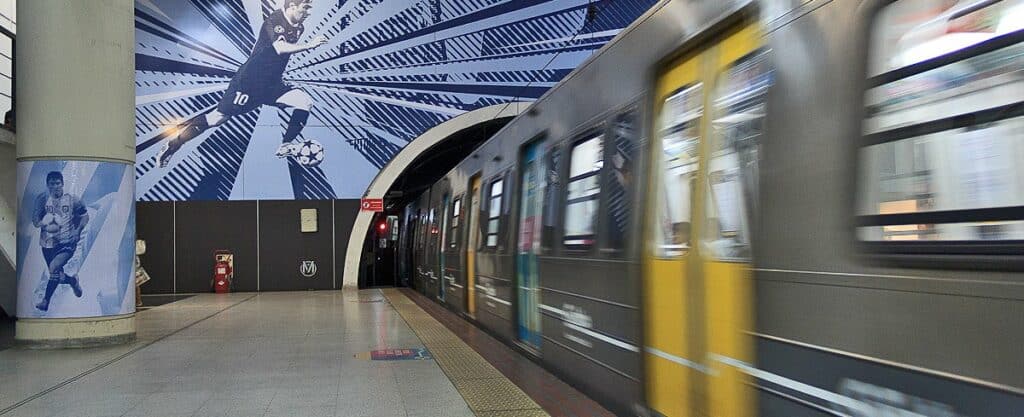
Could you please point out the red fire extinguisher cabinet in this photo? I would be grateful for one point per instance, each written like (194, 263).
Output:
(223, 271)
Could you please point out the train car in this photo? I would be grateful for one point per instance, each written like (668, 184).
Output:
(778, 208)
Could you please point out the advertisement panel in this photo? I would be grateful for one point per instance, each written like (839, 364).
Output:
(309, 99)
(76, 239)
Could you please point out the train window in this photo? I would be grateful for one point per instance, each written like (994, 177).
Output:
(680, 132)
(494, 213)
(433, 223)
(585, 162)
(622, 162)
(552, 195)
(738, 111)
(453, 239)
(944, 126)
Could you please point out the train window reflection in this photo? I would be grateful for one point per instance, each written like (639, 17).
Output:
(494, 213)
(945, 126)
(914, 31)
(732, 166)
(986, 81)
(453, 240)
(988, 231)
(680, 131)
(622, 160)
(585, 162)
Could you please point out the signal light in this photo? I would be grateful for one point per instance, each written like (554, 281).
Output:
(382, 226)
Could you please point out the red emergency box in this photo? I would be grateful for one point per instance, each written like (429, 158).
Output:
(223, 271)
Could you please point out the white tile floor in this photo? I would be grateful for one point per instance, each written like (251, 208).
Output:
(272, 354)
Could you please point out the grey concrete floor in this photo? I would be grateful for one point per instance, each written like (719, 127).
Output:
(271, 354)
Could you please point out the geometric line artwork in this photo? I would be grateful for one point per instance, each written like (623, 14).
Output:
(383, 73)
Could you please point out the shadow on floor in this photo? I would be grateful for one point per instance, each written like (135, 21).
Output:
(6, 332)
(154, 300)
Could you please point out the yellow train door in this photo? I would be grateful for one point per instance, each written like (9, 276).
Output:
(698, 293)
(471, 242)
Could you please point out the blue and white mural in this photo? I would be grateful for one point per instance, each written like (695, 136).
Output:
(76, 239)
(309, 99)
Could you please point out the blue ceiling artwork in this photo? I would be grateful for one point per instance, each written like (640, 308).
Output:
(299, 99)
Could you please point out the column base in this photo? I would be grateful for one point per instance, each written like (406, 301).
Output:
(75, 333)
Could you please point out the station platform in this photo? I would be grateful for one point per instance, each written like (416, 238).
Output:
(377, 352)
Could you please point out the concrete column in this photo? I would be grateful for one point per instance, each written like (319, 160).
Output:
(76, 184)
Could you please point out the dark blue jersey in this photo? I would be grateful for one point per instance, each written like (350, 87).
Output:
(265, 64)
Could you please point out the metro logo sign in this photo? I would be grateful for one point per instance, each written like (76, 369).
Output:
(372, 204)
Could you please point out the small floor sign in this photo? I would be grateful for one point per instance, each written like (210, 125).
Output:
(396, 354)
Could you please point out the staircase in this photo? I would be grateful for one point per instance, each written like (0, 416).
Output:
(8, 222)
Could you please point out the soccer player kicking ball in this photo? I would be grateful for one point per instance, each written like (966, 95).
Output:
(259, 81)
(60, 218)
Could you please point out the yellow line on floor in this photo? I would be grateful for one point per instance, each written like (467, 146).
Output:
(485, 389)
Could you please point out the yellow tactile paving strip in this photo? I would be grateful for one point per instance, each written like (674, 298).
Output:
(485, 389)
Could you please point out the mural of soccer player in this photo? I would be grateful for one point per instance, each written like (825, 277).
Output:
(60, 218)
(259, 82)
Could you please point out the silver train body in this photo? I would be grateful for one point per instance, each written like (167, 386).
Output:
(836, 321)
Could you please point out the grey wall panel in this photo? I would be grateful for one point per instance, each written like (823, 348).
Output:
(345, 212)
(496, 296)
(948, 333)
(495, 265)
(777, 404)
(613, 390)
(154, 223)
(455, 299)
(8, 284)
(615, 320)
(922, 393)
(205, 226)
(590, 348)
(499, 326)
(283, 247)
(601, 279)
(433, 286)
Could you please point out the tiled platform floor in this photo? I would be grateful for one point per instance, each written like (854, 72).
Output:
(552, 394)
(272, 354)
(288, 354)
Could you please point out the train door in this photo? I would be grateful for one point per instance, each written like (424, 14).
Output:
(698, 302)
(430, 289)
(528, 244)
(471, 244)
(442, 247)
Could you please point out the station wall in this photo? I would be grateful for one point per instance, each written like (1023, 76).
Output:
(264, 236)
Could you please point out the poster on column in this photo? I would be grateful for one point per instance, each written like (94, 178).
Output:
(76, 239)
(310, 99)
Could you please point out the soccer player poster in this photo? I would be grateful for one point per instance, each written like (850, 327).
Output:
(72, 216)
(310, 99)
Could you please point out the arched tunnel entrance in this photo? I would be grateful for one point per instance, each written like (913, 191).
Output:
(372, 257)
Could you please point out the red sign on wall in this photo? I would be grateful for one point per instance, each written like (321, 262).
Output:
(372, 204)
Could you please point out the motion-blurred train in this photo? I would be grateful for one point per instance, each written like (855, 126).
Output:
(777, 208)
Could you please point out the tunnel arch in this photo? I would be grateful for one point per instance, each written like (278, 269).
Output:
(406, 157)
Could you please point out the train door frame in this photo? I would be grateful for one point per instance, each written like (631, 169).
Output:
(472, 240)
(432, 245)
(442, 247)
(408, 242)
(683, 334)
(527, 294)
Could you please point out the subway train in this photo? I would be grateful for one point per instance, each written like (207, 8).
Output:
(775, 208)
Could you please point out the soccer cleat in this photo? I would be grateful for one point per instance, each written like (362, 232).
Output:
(73, 281)
(43, 305)
(164, 157)
(285, 150)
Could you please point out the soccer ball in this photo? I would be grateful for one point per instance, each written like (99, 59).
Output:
(309, 153)
(52, 228)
